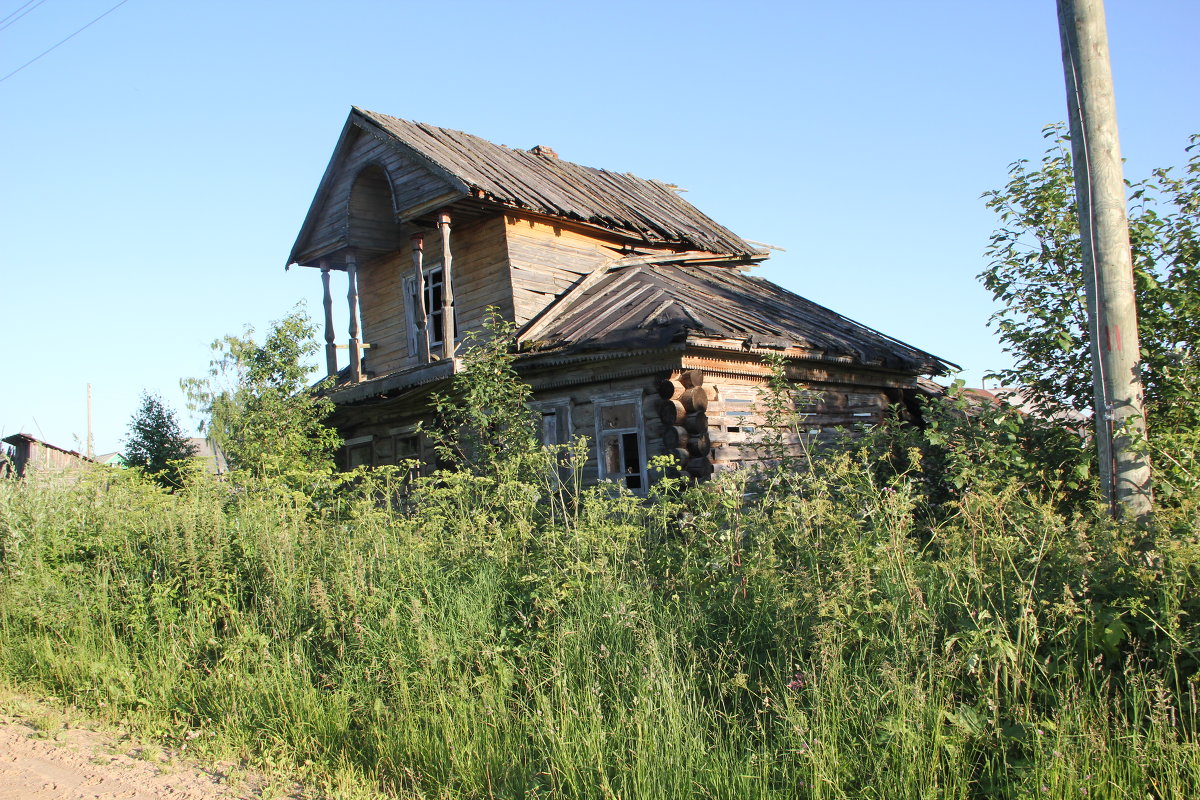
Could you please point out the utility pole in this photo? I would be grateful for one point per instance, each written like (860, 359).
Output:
(91, 449)
(1107, 264)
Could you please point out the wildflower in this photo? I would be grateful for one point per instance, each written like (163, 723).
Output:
(797, 682)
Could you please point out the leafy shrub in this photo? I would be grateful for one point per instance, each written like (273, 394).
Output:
(938, 612)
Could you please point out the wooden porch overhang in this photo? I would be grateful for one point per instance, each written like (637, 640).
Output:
(394, 384)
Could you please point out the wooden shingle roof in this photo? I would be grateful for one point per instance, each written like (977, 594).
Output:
(539, 181)
(654, 304)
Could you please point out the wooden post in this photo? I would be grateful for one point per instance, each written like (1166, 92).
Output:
(447, 288)
(1107, 264)
(327, 301)
(352, 300)
(420, 321)
(91, 443)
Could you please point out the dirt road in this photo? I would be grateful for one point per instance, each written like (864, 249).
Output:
(44, 754)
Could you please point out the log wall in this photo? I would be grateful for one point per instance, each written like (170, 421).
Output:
(383, 422)
(733, 428)
(711, 421)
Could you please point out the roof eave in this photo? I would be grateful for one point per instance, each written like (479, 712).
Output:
(899, 364)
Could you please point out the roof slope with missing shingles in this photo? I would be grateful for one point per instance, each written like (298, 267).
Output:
(543, 183)
(654, 304)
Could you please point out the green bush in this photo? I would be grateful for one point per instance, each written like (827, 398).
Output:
(825, 640)
(936, 613)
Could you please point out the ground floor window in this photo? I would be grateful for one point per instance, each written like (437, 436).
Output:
(621, 441)
(554, 430)
(360, 452)
(409, 445)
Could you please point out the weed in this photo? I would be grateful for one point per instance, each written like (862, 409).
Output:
(855, 629)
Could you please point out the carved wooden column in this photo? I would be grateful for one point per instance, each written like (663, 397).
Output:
(352, 301)
(447, 288)
(420, 321)
(327, 301)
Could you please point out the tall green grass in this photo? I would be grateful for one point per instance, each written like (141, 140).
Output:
(496, 637)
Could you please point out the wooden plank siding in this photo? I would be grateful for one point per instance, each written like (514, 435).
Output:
(546, 260)
(480, 279)
(411, 184)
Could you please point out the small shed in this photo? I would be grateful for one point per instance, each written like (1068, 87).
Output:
(31, 456)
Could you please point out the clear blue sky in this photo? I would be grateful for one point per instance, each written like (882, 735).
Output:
(156, 167)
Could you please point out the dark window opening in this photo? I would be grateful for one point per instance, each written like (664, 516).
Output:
(359, 456)
(434, 288)
(633, 461)
(620, 433)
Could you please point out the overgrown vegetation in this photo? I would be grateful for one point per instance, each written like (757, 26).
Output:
(259, 409)
(1036, 274)
(485, 425)
(938, 625)
(156, 444)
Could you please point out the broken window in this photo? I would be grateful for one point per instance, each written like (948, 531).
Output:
(434, 287)
(621, 441)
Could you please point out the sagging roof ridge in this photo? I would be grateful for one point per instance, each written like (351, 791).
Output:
(671, 301)
(644, 208)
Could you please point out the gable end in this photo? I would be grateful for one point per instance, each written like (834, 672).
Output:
(336, 220)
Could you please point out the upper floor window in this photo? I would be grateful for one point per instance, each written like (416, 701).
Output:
(434, 287)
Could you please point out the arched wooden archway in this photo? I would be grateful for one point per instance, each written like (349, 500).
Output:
(371, 212)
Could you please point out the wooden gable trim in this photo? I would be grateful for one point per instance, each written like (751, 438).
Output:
(319, 199)
(461, 189)
(358, 125)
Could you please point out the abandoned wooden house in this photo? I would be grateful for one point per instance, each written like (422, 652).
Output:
(28, 457)
(639, 325)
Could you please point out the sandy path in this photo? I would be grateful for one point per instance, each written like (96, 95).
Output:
(42, 755)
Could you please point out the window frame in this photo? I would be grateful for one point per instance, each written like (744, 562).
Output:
(358, 444)
(637, 400)
(410, 291)
(423, 449)
(564, 430)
